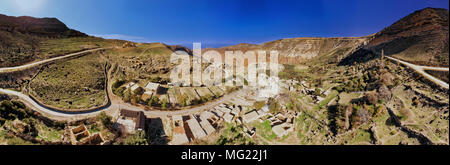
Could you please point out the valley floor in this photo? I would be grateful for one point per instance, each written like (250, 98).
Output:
(317, 104)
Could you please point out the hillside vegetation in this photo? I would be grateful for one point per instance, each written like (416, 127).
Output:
(294, 50)
(73, 84)
(20, 37)
(145, 62)
(62, 46)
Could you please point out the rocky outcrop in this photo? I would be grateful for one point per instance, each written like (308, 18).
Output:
(293, 50)
(43, 27)
(308, 48)
(420, 38)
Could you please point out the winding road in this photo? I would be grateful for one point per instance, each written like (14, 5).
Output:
(421, 70)
(42, 109)
(113, 107)
(114, 103)
(33, 64)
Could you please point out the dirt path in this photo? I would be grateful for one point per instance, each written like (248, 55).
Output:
(115, 103)
(421, 70)
(120, 104)
(112, 108)
(22, 67)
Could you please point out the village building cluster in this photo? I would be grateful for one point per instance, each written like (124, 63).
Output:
(238, 111)
(172, 94)
(183, 129)
(130, 121)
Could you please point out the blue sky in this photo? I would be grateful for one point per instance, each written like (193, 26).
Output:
(220, 22)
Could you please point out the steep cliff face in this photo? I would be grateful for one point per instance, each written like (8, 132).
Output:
(298, 49)
(421, 38)
(295, 50)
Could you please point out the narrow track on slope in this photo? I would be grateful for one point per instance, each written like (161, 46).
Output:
(421, 70)
(113, 105)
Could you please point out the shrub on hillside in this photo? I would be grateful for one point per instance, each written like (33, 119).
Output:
(274, 106)
(384, 93)
(127, 95)
(139, 138)
(136, 99)
(182, 99)
(371, 97)
(164, 103)
(386, 79)
(118, 83)
(119, 91)
(11, 110)
(405, 113)
(104, 119)
(153, 101)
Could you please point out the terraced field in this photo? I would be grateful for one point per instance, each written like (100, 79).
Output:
(216, 91)
(145, 62)
(190, 93)
(74, 84)
(173, 96)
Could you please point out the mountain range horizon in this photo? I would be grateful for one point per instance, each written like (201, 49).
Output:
(226, 23)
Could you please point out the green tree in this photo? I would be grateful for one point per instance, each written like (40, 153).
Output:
(127, 95)
(182, 99)
(289, 106)
(11, 110)
(119, 91)
(136, 99)
(139, 138)
(104, 119)
(118, 83)
(153, 101)
(164, 103)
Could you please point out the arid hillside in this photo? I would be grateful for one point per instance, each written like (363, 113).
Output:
(294, 50)
(44, 27)
(421, 38)
(144, 61)
(20, 37)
